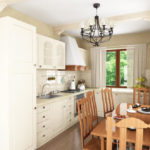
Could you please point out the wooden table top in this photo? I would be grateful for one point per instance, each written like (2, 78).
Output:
(100, 129)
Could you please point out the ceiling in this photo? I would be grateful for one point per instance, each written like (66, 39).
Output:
(61, 12)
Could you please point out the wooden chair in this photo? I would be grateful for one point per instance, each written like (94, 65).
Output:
(123, 125)
(85, 118)
(108, 101)
(93, 106)
(140, 91)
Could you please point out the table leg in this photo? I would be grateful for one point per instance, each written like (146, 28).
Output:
(102, 143)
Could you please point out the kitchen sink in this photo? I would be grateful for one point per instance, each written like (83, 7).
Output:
(47, 96)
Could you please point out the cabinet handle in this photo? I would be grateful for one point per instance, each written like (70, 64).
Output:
(43, 126)
(44, 135)
(43, 116)
(64, 106)
(43, 107)
(70, 113)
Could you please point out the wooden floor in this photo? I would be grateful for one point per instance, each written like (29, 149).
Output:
(68, 140)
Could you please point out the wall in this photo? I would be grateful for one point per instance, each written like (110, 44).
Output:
(42, 28)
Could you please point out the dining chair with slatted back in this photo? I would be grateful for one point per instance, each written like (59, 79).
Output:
(149, 95)
(93, 106)
(85, 119)
(123, 125)
(108, 101)
(140, 92)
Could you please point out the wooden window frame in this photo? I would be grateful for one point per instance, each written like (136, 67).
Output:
(117, 68)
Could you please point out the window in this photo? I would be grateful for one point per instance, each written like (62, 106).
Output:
(116, 68)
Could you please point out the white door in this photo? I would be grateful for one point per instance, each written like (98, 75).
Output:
(22, 86)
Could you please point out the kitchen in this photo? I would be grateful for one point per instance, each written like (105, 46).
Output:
(47, 68)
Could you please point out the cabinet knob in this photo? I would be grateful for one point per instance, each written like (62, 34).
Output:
(43, 107)
(43, 126)
(44, 135)
(43, 116)
(40, 66)
(34, 107)
(34, 65)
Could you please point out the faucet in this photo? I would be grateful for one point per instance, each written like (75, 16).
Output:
(44, 87)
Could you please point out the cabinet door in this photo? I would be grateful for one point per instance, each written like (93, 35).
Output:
(58, 116)
(51, 53)
(85, 56)
(22, 85)
(60, 56)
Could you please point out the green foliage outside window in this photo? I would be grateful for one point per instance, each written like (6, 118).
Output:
(111, 68)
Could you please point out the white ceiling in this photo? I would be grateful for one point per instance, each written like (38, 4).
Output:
(60, 12)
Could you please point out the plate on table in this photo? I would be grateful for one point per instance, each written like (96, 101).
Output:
(131, 111)
(120, 117)
(144, 110)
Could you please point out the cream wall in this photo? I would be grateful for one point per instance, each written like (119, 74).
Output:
(127, 39)
(42, 28)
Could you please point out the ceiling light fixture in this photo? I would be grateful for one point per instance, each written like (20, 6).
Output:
(97, 33)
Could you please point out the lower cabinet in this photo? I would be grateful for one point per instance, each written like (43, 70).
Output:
(54, 118)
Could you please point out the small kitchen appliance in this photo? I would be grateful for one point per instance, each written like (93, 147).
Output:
(72, 85)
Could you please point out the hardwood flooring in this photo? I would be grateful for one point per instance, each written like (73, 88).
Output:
(68, 140)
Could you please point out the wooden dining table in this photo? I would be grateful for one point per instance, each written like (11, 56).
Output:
(101, 131)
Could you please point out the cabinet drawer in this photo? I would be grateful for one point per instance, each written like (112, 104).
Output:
(43, 137)
(43, 116)
(42, 126)
(43, 108)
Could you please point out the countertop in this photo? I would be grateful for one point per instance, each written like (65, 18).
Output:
(41, 102)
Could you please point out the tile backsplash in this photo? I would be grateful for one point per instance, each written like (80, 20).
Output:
(62, 79)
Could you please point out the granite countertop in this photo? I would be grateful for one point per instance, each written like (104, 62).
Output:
(62, 96)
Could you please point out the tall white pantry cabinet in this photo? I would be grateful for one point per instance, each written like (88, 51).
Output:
(17, 85)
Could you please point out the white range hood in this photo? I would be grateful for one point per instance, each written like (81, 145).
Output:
(74, 60)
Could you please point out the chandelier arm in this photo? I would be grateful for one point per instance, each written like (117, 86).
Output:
(86, 38)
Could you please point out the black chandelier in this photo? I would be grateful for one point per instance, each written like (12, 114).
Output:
(97, 34)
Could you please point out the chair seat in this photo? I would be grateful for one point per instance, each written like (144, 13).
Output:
(93, 144)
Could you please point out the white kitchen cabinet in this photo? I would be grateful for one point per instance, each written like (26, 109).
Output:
(85, 56)
(54, 118)
(51, 53)
(120, 97)
(18, 86)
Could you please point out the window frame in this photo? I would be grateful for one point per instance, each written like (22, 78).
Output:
(117, 68)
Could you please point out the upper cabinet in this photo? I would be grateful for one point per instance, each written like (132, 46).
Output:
(86, 57)
(51, 53)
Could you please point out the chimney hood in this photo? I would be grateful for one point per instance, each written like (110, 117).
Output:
(74, 59)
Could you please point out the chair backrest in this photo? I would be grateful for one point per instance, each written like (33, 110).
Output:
(123, 125)
(140, 92)
(93, 106)
(108, 101)
(85, 119)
